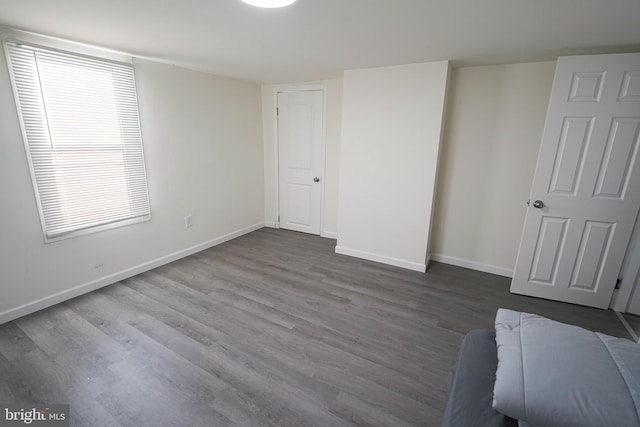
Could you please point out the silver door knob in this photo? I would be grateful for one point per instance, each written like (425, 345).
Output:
(316, 179)
(538, 204)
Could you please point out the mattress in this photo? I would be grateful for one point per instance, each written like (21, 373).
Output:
(470, 389)
(553, 374)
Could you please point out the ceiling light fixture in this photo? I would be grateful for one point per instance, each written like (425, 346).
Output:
(269, 3)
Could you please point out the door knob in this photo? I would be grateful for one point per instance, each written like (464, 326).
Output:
(538, 204)
(316, 179)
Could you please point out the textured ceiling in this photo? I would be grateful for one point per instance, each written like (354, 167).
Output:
(317, 39)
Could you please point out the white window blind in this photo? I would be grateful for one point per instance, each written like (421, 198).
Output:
(82, 133)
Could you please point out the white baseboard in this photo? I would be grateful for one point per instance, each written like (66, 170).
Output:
(270, 224)
(487, 268)
(48, 301)
(410, 265)
(329, 235)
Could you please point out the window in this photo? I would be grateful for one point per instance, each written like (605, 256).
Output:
(79, 117)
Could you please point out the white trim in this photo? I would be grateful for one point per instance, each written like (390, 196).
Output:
(300, 88)
(31, 307)
(118, 55)
(487, 268)
(323, 150)
(628, 327)
(65, 45)
(410, 265)
(276, 156)
(329, 234)
(271, 224)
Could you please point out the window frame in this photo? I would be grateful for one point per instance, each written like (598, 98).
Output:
(83, 51)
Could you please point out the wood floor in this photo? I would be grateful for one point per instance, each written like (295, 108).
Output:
(270, 329)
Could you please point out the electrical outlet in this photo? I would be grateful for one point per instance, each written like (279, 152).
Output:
(188, 221)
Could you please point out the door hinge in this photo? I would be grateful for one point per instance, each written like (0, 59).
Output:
(277, 111)
(618, 282)
(278, 219)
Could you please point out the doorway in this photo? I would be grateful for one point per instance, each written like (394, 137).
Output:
(300, 134)
(585, 195)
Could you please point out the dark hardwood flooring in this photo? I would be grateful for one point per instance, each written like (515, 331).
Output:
(270, 329)
(633, 321)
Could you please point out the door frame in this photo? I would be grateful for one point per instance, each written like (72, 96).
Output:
(276, 157)
(628, 273)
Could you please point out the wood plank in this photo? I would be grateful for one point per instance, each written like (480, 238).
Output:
(269, 329)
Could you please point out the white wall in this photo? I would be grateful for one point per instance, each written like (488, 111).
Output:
(333, 124)
(269, 140)
(332, 156)
(391, 131)
(493, 129)
(203, 148)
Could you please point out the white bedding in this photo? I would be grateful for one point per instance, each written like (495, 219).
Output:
(556, 375)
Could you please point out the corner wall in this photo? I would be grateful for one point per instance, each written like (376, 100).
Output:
(391, 131)
(203, 151)
(493, 130)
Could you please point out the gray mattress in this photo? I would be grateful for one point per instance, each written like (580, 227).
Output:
(470, 389)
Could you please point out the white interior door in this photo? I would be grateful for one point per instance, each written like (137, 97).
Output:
(300, 132)
(586, 189)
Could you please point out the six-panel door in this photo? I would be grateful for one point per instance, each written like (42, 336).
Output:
(588, 181)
